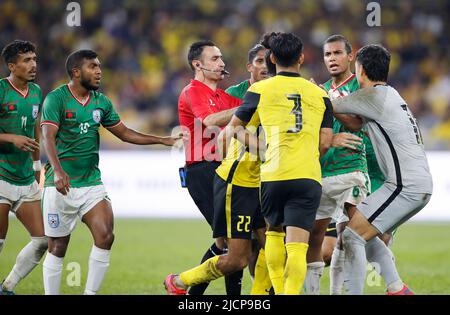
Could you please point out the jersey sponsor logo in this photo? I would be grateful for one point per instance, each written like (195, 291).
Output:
(35, 111)
(70, 115)
(53, 220)
(97, 115)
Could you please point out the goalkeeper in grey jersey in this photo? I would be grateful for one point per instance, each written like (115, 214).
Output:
(399, 149)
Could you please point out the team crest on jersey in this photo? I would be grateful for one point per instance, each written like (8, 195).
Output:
(53, 220)
(35, 111)
(97, 115)
(70, 115)
(10, 107)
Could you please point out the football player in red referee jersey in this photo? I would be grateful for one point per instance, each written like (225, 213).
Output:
(203, 110)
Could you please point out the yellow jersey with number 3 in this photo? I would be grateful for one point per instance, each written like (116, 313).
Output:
(292, 111)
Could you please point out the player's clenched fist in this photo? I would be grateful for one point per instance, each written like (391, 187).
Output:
(62, 182)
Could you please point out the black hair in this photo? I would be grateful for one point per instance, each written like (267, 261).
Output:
(339, 38)
(286, 47)
(375, 61)
(196, 50)
(254, 51)
(271, 68)
(14, 49)
(76, 59)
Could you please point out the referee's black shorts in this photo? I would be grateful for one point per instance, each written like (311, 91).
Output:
(200, 183)
(291, 202)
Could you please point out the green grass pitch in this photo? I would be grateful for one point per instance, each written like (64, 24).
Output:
(146, 250)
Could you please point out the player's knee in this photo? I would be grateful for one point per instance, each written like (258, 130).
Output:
(58, 247)
(241, 263)
(105, 240)
(236, 263)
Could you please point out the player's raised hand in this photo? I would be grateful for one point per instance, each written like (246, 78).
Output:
(62, 182)
(24, 143)
(346, 140)
(319, 85)
(170, 141)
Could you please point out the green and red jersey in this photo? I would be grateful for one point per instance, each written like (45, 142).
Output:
(78, 139)
(342, 160)
(18, 114)
(239, 90)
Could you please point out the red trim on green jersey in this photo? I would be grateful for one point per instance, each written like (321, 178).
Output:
(17, 90)
(343, 83)
(9, 162)
(114, 125)
(81, 103)
(48, 122)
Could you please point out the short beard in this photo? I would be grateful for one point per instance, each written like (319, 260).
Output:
(87, 85)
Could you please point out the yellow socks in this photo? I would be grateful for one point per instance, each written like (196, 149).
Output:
(295, 271)
(276, 259)
(206, 272)
(261, 283)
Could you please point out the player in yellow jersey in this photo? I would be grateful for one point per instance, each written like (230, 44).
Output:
(296, 117)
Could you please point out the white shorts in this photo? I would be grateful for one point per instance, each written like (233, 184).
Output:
(389, 207)
(340, 189)
(15, 195)
(60, 212)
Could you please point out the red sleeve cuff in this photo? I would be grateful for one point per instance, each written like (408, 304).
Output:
(49, 122)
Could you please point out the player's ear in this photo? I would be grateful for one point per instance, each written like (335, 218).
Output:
(11, 67)
(249, 67)
(351, 57)
(301, 59)
(75, 73)
(272, 58)
(196, 64)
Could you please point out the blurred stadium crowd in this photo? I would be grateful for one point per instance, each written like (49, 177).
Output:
(143, 46)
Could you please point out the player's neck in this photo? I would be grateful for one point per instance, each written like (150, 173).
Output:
(293, 69)
(79, 91)
(339, 79)
(209, 83)
(19, 84)
(368, 83)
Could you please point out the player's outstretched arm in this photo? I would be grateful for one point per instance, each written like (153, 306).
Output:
(219, 119)
(62, 181)
(236, 129)
(132, 136)
(351, 122)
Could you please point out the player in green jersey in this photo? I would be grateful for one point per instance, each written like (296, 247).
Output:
(20, 103)
(71, 118)
(344, 167)
(340, 166)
